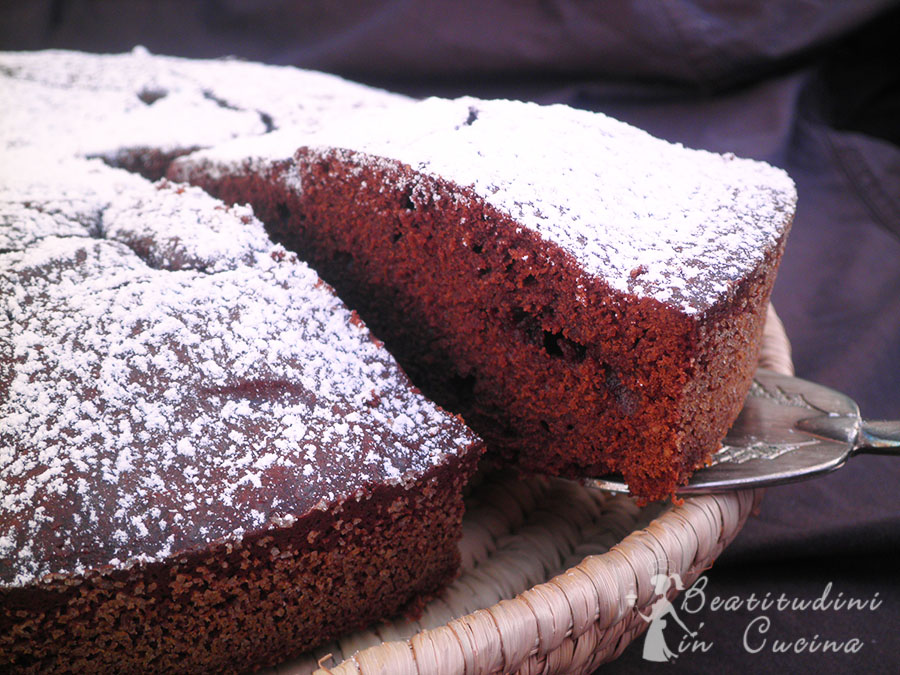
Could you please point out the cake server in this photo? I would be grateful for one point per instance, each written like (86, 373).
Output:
(789, 430)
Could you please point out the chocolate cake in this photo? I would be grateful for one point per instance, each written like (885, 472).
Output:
(207, 462)
(589, 298)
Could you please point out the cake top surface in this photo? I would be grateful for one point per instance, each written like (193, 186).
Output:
(646, 216)
(169, 378)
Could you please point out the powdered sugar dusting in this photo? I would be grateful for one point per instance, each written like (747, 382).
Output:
(646, 216)
(614, 197)
(169, 378)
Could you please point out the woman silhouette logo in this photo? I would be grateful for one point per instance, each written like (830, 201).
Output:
(655, 647)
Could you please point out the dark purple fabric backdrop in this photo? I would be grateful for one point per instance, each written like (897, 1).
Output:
(813, 87)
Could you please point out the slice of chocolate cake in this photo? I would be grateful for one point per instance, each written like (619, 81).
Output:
(206, 460)
(590, 298)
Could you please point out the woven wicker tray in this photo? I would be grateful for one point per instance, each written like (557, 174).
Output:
(554, 576)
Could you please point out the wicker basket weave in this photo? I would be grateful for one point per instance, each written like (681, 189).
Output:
(555, 577)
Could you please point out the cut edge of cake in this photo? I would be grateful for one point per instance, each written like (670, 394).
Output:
(684, 354)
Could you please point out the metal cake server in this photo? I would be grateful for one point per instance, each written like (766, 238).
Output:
(789, 430)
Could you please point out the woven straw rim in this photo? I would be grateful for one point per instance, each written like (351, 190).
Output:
(584, 616)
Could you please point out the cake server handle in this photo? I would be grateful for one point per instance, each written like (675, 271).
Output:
(880, 437)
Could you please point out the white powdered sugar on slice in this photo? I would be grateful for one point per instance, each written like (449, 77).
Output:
(612, 196)
(647, 217)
